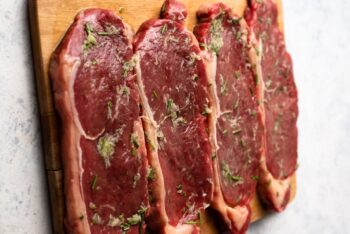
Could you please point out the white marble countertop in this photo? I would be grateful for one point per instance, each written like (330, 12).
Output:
(318, 37)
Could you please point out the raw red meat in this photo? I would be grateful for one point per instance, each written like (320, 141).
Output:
(279, 95)
(237, 127)
(176, 108)
(103, 147)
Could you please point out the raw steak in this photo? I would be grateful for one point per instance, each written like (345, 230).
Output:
(237, 131)
(103, 147)
(176, 108)
(280, 105)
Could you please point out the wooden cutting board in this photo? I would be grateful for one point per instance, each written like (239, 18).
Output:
(49, 19)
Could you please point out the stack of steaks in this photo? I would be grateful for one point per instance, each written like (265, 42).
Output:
(160, 125)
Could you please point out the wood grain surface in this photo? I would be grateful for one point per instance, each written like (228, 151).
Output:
(49, 19)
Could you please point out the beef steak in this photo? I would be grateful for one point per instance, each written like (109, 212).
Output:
(279, 96)
(103, 146)
(237, 127)
(176, 108)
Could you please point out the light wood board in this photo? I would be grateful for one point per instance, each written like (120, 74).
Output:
(49, 19)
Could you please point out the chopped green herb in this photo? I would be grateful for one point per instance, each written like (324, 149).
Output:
(256, 79)
(179, 121)
(109, 109)
(216, 31)
(254, 177)
(81, 217)
(172, 39)
(88, 28)
(238, 34)
(115, 221)
(134, 141)
(94, 182)
(236, 20)
(151, 174)
(277, 122)
(133, 151)
(109, 30)
(135, 219)
(105, 147)
(180, 191)
(253, 113)
(192, 222)
(257, 51)
(203, 45)
(150, 143)
(123, 90)
(142, 210)
(268, 83)
(195, 77)
(237, 74)
(234, 123)
(155, 94)
(136, 179)
(193, 58)
(228, 175)
(170, 105)
(206, 110)
(174, 112)
(96, 219)
(129, 66)
(134, 144)
(163, 29)
(125, 226)
(242, 143)
(224, 87)
(162, 10)
(92, 205)
(90, 40)
(160, 136)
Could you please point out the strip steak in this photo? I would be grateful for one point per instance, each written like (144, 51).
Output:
(280, 99)
(176, 108)
(103, 146)
(237, 130)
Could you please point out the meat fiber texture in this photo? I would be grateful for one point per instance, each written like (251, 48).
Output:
(280, 105)
(237, 130)
(176, 110)
(103, 146)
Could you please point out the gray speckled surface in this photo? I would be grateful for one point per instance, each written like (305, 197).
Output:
(318, 34)
(23, 197)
